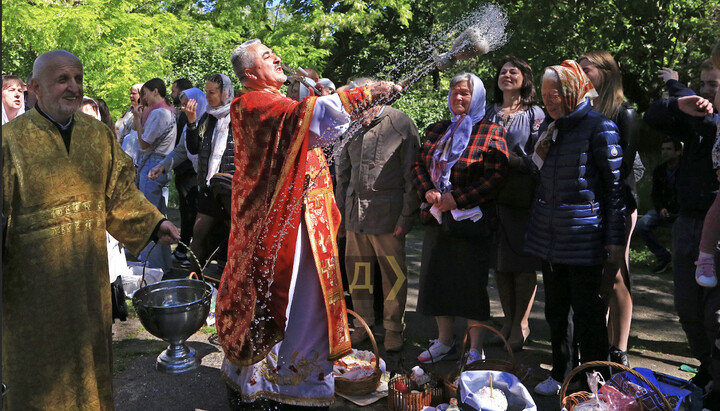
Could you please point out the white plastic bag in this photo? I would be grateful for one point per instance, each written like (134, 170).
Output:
(117, 264)
(518, 396)
(131, 146)
(210, 320)
(152, 275)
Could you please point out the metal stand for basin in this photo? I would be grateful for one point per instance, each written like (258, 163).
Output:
(177, 358)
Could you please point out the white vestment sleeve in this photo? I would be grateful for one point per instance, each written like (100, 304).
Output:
(329, 121)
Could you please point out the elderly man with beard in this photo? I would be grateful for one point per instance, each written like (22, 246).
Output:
(65, 181)
(281, 314)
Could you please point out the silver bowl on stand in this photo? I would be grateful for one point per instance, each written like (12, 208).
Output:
(173, 310)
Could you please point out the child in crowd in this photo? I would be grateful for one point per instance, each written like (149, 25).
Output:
(705, 273)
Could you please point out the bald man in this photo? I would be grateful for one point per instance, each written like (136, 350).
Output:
(65, 182)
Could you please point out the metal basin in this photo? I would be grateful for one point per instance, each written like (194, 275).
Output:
(173, 310)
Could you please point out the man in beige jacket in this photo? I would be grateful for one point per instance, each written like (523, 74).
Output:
(379, 205)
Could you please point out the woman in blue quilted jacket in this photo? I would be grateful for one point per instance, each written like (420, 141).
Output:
(577, 220)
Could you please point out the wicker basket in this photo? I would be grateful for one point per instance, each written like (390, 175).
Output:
(401, 401)
(486, 364)
(570, 401)
(366, 385)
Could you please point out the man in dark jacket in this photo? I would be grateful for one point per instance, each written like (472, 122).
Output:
(665, 202)
(696, 183)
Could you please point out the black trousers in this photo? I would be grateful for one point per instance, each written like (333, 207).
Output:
(262, 404)
(578, 288)
(187, 204)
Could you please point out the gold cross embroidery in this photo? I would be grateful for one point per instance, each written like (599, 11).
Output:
(327, 268)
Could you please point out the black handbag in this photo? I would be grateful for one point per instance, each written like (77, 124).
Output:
(119, 305)
(518, 189)
(467, 229)
(221, 191)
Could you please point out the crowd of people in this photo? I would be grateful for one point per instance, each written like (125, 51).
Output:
(509, 185)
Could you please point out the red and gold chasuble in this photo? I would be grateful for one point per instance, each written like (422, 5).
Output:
(277, 181)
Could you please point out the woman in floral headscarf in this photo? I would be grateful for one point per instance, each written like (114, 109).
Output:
(577, 220)
(457, 173)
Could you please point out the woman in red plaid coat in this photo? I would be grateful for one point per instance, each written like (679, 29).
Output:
(457, 173)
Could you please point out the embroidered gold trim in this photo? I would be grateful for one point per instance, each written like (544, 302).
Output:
(303, 127)
(283, 398)
(43, 215)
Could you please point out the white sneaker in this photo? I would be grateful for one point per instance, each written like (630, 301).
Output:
(548, 387)
(436, 352)
(474, 355)
(705, 272)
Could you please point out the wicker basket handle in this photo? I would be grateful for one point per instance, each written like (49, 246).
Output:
(372, 338)
(498, 333)
(590, 364)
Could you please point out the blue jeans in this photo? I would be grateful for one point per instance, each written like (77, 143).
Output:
(646, 226)
(156, 192)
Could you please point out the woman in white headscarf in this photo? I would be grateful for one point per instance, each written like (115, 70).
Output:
(457, 173)
(210, 146)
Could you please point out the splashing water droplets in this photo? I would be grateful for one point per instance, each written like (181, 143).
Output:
(476, 33)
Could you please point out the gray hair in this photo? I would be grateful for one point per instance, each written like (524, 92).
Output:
(242, 60)
(460, 77)
(550, 74)
(327, 83)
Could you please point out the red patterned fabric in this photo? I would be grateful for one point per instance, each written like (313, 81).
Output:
(271, 146)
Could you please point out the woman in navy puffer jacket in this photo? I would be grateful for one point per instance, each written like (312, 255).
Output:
(578, 218)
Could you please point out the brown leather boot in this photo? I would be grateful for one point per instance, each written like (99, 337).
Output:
(393, 341)
(358, 336)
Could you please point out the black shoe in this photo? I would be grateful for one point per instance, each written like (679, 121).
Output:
(619, 357)
(712, 401)
(179, 256)
(702, 378)
(662, 265)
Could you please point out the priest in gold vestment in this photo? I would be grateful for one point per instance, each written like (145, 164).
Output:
(65, 182)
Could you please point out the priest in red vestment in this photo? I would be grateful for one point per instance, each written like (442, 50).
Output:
(281, 315)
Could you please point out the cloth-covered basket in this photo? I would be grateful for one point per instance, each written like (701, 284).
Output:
(365, 385)
(493, 364)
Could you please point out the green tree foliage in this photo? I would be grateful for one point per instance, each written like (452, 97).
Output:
(117, 42)
(123, 42)
(196, 56)
(642, 35)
